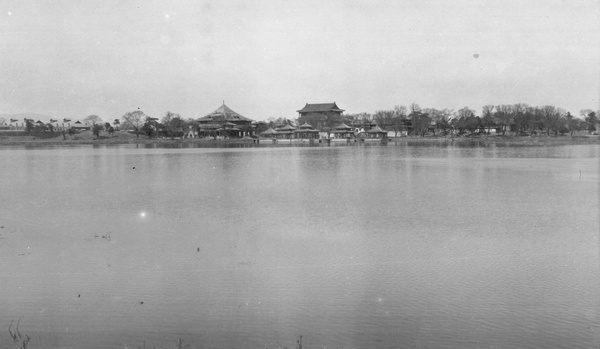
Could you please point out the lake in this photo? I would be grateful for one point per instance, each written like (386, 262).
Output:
(350, 246)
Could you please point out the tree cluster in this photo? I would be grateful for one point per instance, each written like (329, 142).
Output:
(171, 125)
(519, 118)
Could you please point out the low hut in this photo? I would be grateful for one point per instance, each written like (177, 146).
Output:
(377, 133)
(208, 130)
(270, 133)
(343, 131)
(285, 132)
(78, 125)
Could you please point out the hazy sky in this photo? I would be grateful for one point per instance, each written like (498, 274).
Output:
(268, 58)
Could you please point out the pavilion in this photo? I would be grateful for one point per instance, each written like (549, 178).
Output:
(306, 131)
(343, 131)
(225, 122)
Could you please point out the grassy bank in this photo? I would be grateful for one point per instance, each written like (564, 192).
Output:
(507, 139)
(87, 137)
(123, 137)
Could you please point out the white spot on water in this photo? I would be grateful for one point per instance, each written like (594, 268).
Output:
(142, 214)
(9, 13)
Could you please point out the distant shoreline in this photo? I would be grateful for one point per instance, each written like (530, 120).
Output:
(126, 138)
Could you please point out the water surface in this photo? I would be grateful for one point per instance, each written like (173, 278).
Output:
(361, 246)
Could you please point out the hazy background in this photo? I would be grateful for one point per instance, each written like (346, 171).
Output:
(268, 58)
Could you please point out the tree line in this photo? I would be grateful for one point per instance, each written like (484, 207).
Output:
(519, 118)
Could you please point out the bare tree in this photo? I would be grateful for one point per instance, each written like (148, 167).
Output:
(93, 119)
(469, 120)
(414, 108)
(135, 120)
(173, 123)
(572, 123)
(520, 116)
(504, 114)
(399, 118)
(383, 118)
(440, 117)
(592, 119)
(487, 117)
(552, 118)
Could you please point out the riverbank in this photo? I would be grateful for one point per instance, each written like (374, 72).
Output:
(542, 140)
(86, 137)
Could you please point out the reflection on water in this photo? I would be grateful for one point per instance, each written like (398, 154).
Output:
(354, 246)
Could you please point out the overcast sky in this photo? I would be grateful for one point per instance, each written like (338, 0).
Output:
(268, 58)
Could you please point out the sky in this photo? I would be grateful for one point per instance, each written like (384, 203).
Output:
(267, 59)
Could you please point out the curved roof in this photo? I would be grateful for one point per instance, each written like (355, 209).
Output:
(343, 126)
(376, 129)
(286, 128)
(320, 107)
(211, 125)
(306, 130)
(224, 113)
(270, 131)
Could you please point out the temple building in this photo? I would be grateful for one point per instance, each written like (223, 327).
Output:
(225, 122)
(320, 115)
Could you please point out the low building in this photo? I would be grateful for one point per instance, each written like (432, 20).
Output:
(78, 125)
(285, 132)
(269, 133)
(377, 133)
(306, 131)
(343, 131)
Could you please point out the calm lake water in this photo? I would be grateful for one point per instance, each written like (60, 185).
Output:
(360, 246)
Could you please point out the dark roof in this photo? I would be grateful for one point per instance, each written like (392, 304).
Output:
(320, 107)
(270, 131)
(210, 125)
(226, 114)
(306, 130)
(343, 126)
(376, 129)
(286, 128)
(306, 125)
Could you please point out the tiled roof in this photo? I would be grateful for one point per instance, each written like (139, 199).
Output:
(225, 113)
(209, 125)
(286, 128)
(320, 107)
(343, 126)
(270, 131)
(376, 129)
(306, 130)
